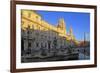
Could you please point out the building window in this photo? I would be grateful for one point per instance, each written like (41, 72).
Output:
(38, 27)
(33, 26)
(37, 44)
(49, 43)
(22, 44)
(37, 34)
(29, 44)
(37, 17)
(29, 15)
(22, 22)
(29, 33)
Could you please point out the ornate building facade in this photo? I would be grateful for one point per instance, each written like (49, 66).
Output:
(39, 38)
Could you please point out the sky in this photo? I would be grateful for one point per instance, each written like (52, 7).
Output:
(79, 21)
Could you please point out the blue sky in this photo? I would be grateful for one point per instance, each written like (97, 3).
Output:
(79, 21)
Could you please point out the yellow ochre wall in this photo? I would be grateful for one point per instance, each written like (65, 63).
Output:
(29, 18)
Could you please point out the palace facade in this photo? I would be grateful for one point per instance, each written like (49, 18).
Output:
(39, 36)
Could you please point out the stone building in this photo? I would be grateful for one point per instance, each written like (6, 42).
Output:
(39, 38)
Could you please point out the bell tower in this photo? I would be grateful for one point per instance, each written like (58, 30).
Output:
(71, 33)
(61, 25)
